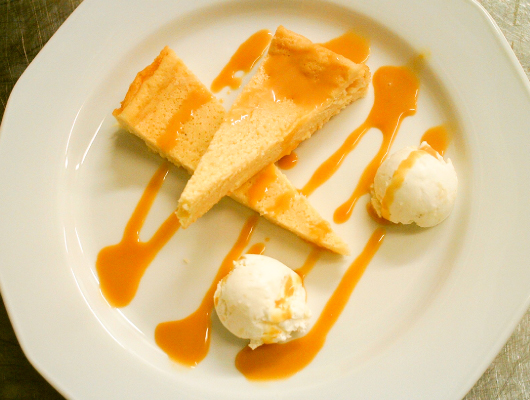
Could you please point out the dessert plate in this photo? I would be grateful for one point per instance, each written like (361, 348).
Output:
(434, 306)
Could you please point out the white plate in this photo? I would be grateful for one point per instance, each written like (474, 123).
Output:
(432, 310)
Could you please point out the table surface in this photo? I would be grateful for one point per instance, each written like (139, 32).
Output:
(26, 26)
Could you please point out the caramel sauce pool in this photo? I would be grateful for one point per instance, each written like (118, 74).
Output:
(279, 361)
(187, 341)
(243, 60)
(438, 138)
(120, 267)
(350, 45)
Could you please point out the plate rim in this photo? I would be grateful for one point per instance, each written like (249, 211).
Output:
(79, 13)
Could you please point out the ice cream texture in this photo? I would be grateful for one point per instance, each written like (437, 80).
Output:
(415, 184)
(263, 300)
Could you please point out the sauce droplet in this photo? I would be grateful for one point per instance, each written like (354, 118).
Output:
(288, 161)
(438, 138)
(350, 45)
(187, 341)
(244, 59)
(120, 267)
(279, 361)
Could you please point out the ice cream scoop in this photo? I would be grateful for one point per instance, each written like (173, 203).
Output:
(263, 300)
(415, 184)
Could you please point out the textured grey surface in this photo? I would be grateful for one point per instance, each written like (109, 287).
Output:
(26, 25)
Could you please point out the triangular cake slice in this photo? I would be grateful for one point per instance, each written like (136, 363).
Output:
(176, 116)
(299, 87)
(171, 110)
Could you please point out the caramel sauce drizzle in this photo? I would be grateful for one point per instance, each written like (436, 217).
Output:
(350, 45)
(309, 263)
(401, 102)
(287, 80)
(187, 341)
(396, 92)
(282, 203)
(397, 180)
(289, 161)
(438, 138)
(121, 266)
(195, 100)
(244, 59)
(257, 248)
(279, 361)
(261, 185)
(320, 230)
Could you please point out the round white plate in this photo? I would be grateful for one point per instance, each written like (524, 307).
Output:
(434, 306)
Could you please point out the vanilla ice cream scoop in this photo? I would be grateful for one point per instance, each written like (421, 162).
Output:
(262, 300)
(415, 184)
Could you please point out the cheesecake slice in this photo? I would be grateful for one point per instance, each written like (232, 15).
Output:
(176, 116)
(297, 89)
